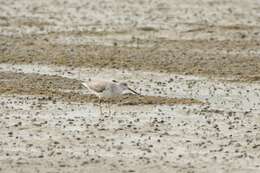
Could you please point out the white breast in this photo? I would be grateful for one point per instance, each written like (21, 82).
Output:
(112, 90)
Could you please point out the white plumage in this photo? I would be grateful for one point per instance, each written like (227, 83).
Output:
(107, 89)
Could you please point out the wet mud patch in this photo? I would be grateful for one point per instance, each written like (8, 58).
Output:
(246, 79)
(131, 99)
(193, 57)
(61, 88)
(33, 82)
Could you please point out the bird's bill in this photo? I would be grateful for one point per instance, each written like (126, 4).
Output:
(134, 91)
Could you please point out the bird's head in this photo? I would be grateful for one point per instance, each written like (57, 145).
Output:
(125, 87)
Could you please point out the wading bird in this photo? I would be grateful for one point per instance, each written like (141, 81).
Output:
(105, 89)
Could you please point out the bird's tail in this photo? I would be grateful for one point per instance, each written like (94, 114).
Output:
(85, 85)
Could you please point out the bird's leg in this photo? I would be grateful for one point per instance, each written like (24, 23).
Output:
(109, 108)
(100, 107)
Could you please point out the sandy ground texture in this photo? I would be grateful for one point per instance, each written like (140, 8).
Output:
(196, 63)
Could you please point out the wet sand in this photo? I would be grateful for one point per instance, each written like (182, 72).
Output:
(195, 63)
(59, 88)
(194, 57)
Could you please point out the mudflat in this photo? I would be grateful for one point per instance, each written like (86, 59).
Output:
(195, 63)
